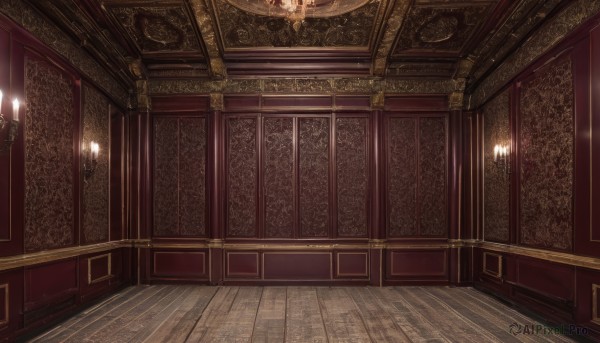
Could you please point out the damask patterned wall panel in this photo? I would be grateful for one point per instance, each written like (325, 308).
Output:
(179, 176)
(49, 162)
(166, 174)
(95, 189)
(432, 177)
(192, 176)
(279, 177)
(546, 146)
(313, 142)
(402, 177)
(242, 177)
(352, 176)
(496, 130)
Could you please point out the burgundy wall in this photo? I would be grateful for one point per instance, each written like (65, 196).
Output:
(297, 182)
(548, 201)
(45, 203)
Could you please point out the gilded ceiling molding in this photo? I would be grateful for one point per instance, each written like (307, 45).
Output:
(456, 98)
(541, 42)
(207, 30)
(143, 97)
(30, 19)
(498, 43)
(302, 86)
(393, 24)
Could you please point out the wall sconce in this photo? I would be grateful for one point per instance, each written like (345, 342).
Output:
(90, 159)
(502, 157)
(12, 125)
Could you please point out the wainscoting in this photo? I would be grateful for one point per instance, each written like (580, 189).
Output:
(301, 314)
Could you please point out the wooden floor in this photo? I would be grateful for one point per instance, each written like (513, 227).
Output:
(296, 314)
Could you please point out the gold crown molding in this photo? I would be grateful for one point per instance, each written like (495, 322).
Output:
(30, 19)
(207, 30)
(302, 86)
(394, 22)
(544, 39)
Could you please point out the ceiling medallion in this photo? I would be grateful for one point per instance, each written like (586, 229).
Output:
(295, 11)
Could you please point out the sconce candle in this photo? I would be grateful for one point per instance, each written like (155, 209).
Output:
(16, 110)
(0, 101)
(95, 149)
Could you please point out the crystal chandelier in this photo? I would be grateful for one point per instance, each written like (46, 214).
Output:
(295, 10)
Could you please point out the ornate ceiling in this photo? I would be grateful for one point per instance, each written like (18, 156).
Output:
(236, 39)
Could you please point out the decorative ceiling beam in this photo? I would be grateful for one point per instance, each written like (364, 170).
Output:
(207, 30)
(392, 26)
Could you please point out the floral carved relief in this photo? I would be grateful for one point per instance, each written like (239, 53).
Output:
(95, 189)
(547, 158)
(49, 160)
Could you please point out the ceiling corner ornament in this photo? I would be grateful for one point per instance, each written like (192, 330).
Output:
(378, 100)
(207, 31)
(295, 11)
(394, 22)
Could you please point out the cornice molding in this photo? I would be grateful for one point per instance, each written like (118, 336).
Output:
(542, 41)
(302, 86)
(40, 27)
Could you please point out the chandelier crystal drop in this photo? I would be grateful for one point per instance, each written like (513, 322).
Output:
(296, 10)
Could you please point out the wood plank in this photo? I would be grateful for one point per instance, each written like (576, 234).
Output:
(239, 321)
(411, 322)
(303, 316)
(110, 324)
(380, 325)
(441, 315)
(214, 314)
(79, 331)
(181, 322)
(88, 316)
(341, 317)
(270, 319)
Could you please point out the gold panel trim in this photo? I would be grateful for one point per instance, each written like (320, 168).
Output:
(257, 274)
(6, 319)
(337, 264)
(486, 271)
(552, 256)
(595, 309)
(109, 269)
(58, 254)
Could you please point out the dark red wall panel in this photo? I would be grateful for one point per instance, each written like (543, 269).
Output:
(352, 264)
(313, 146)
(242, 177)
(179, 176)
(418, 264)
(242, 264)
(547, 278)
(433, 193)
(352, 166)
(297, 266)
(279, 176)
(496, 130)
(49, 283)
(401, 177)
(49, 160)
(95, 199)
(166, 136)
(546, 106)
(179, 264)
